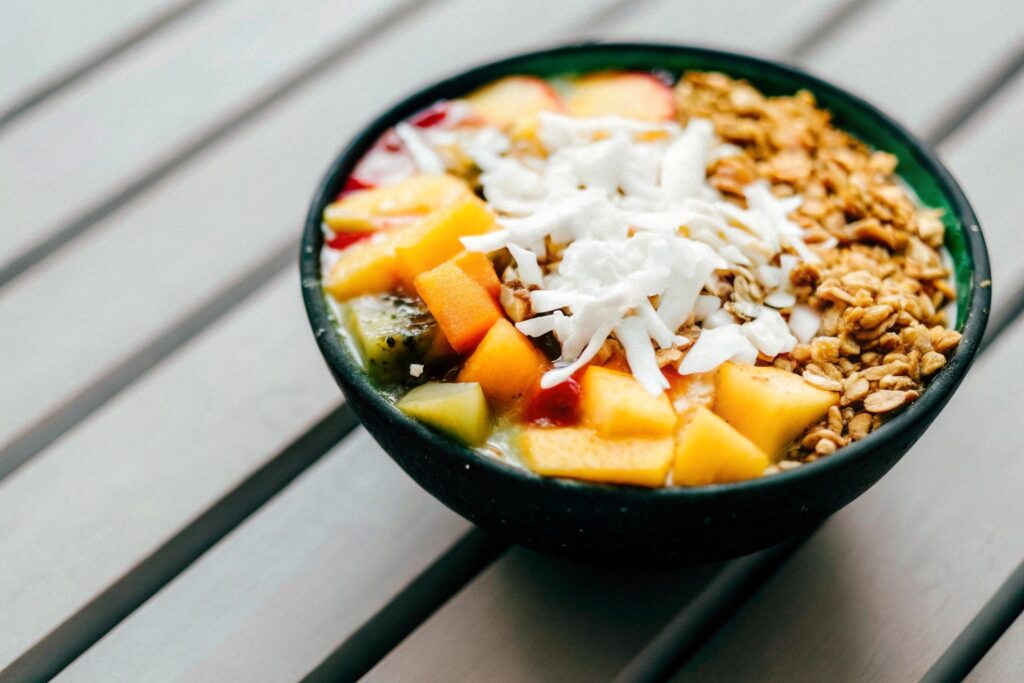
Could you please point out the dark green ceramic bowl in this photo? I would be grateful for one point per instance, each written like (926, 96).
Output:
(688, 525)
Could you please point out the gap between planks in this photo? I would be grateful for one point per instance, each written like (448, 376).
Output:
(49, 87)
(219, 130)
(78, 633)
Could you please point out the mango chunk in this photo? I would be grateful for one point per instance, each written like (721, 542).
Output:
(457, 409)
(616, 405)
(463, 308)
(582, 453)
(769, 406)
(709, 451)
(435, 239)
(406, 200)
(368, 267)
(480, 268)
(506, 364)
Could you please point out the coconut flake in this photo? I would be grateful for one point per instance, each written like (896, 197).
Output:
(769, 333)
(640, 355)
(804, 321)
(423, 155)
(716, 346)
(530, 273)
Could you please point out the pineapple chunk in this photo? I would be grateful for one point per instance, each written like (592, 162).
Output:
(458, 409)
(616, 405)
(709, 451)
(406, 200)
(581, 453)
(769, 406)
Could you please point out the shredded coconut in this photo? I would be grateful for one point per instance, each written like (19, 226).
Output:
(640, 234)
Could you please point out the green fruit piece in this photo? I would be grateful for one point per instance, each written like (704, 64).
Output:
(458, 409)
(391, 332)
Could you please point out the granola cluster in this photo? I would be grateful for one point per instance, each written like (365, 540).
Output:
(881, 287)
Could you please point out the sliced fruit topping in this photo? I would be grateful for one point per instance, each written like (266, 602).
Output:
(582, 453)
(709, 451)
(616, 405)
(629, 94)
(769, 406)
(391, 332)
(457, 409)
(435, 238)
(463, 308)
(406, 200)
(506, 364)
(514, 99)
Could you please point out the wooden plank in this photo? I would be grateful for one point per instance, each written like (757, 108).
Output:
(154, 101)
(322, 556)
(1005, 661)
(237, 228)
(42, 41)
(891, 580)
(916, 59)
(96, 502)
(729, 24)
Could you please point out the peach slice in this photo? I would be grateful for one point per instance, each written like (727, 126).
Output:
(514, 99)
(629, 94)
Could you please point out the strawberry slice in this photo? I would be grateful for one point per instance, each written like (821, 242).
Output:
(343, 240)
(558, 406)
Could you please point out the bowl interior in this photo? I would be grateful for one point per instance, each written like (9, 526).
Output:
(917, 167)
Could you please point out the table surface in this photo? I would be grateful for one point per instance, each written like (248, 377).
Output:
(183, 494)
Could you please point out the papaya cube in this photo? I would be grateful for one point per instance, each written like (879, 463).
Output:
(436, 237)
(462, 307)
(405, 200)
(457, 409)
(367, 267)
(480, 268)
(616, 405)
(709, 451)
(506, 364)
(582, 453)
(769, 406)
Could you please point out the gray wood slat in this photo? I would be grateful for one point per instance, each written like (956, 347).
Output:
(917, 60)
(86, 145)
(40, 41)
(468, 616)
(310, 566)
(1005, 661)
(891, 580)
(83, 513)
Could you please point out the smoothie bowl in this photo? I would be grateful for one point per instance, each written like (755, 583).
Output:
(643, 302)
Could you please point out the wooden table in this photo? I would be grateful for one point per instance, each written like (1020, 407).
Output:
(183, 494)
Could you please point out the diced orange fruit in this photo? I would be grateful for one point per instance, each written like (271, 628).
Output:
(582, 453)
(709, 451)
(464, 310)
(435, 239)
(367, 267)
(514, 99)
(506, 364)
(616, 405)
(405, 201)
(769, 406)
(629, 94)
(480, 268)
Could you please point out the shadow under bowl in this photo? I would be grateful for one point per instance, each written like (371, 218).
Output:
(681, 525)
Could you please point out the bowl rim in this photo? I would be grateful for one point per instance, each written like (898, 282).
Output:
(343, 364)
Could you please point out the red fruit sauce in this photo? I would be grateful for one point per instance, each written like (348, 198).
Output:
(558, 406)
